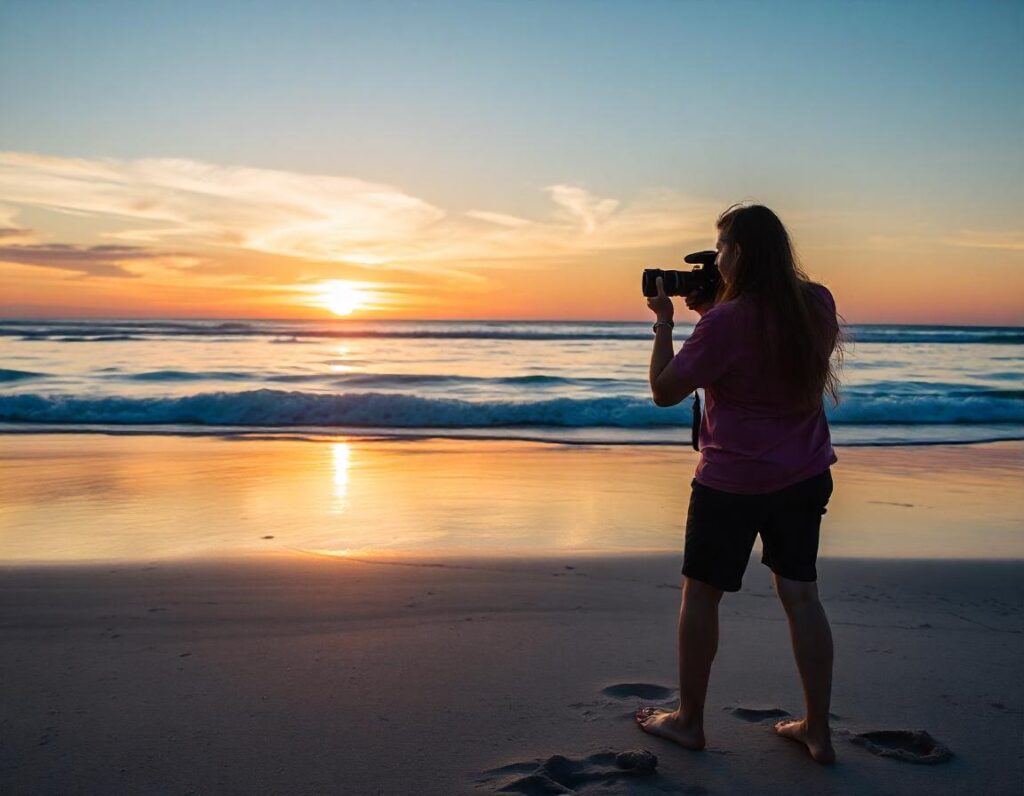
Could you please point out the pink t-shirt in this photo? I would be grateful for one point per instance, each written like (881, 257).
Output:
(752, 439)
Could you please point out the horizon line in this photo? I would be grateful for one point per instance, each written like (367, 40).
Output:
(341, 319)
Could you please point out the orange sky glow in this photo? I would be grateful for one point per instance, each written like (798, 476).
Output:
(180, 238)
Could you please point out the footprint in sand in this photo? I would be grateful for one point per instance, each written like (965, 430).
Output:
(638, 690)
(764, 714)
(910, 746)
(604, 772)
(620, 692)
(758, 714)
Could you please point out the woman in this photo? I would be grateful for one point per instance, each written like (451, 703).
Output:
(762, 350)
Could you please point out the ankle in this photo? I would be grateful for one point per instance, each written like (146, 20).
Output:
(818, 729)
(690, 719)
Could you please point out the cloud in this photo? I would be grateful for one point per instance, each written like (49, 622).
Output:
(971, 239)
(16, 235)
(1010, 241)
(9, 231)
(7, 215)
(337, 219)
(500, 219)
(580, 205)
(89, 260)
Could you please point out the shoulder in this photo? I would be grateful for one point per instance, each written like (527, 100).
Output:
(716, 327)
(722, 314)
(822, 294)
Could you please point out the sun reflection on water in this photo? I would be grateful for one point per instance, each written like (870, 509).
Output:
(342, 352)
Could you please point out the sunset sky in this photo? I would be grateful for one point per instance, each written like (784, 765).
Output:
(506, 160)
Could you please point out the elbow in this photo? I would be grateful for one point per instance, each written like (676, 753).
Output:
(671, 395)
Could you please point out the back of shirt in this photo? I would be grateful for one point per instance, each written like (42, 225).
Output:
(754, 437)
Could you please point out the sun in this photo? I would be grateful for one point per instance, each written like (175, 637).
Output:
(340, 297)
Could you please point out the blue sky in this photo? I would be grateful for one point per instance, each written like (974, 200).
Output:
(873, 110)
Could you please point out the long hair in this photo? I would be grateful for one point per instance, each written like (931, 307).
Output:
(800, 336)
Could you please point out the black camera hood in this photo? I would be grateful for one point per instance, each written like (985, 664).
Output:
(705, 258)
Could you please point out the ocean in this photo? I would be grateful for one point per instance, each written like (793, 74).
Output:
(568, 382)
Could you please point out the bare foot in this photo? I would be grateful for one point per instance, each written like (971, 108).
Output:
(819, 745)
(669, 724)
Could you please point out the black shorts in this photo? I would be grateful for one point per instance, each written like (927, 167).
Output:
(721, 528)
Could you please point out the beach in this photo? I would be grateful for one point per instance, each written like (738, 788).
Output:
(357, 360)
(314, 665)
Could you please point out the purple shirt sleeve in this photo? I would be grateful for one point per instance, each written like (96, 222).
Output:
(828, 306)
(708, 352)
(825, 296)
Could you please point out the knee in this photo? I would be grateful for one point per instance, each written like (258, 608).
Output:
(796, 595)
(698, 592)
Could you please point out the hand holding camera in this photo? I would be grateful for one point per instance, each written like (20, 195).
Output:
(698, 302)
(660, 304)
(698, 286)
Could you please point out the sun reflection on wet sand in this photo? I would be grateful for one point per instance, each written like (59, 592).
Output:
(91, 497)
(341, 461)
(327, 553)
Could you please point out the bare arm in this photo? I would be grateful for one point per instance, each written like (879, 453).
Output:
(667, 388)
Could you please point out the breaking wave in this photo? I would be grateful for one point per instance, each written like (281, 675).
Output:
(270, 408)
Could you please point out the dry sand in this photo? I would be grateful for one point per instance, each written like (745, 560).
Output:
(299, 675)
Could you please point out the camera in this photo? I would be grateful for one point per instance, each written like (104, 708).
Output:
(703, 278)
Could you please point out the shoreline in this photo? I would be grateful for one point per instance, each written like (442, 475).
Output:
(392, 434)
(455, 560)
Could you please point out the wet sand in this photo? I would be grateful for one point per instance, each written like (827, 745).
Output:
(94, 497)
(260, 624)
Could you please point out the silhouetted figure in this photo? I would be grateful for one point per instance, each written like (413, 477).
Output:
(763, 353)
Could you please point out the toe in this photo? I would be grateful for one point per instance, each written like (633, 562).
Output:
(644, 713)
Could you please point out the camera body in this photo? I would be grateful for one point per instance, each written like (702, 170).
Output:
(703, 278)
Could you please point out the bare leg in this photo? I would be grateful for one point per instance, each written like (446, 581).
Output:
(698, 643)
(812, 648)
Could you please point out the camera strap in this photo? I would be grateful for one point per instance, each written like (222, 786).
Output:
(695, 426)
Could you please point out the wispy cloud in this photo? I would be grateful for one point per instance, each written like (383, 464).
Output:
(10, 232)
(16, 235)
(336, 219)
(579, 205)
(89, 260)
(1010, 241)
(7, 215)
(969, 239)
(501, 219)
